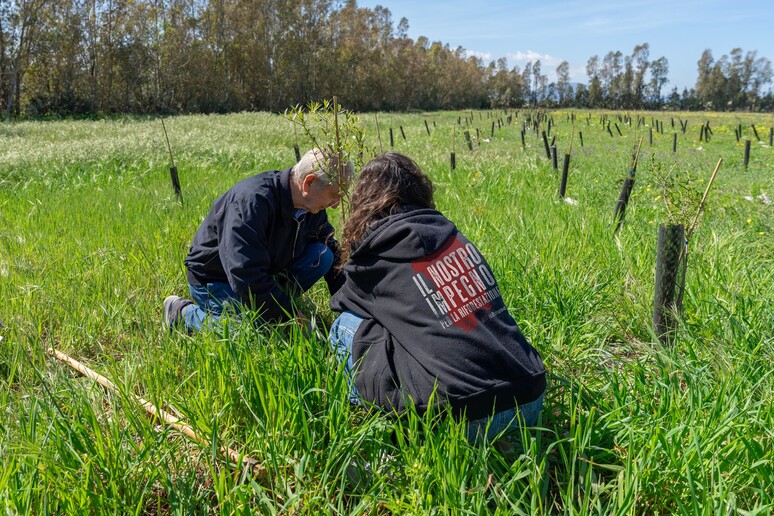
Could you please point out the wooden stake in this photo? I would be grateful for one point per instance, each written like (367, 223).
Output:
(339, 158)
(295, 141)
(169, 147)
(683, 258)
(703, 200)
(545, 144)
(378, 133)
(339, 164)
(173, 169)
(637, 154)
(174, 422)
(565, 172)
(572, 135)
(746, 153)
(626, 190)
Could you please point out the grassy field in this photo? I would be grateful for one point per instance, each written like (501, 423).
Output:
(92, 239)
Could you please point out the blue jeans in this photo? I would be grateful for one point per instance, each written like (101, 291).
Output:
(341, 337)
(526, 413)
(213, 298)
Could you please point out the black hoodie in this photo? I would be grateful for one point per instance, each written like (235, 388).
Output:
(434, 319)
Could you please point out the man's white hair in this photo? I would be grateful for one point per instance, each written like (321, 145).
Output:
(317, 162)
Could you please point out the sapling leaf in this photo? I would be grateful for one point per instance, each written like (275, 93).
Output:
(337, 132)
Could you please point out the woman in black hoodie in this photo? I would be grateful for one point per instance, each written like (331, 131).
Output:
(422, 318)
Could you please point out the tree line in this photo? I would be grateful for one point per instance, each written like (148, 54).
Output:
(86, 57)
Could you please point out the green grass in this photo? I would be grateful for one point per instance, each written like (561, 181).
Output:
(92, 239)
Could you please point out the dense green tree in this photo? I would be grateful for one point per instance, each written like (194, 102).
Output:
(582, 98)
(734, 81)
(640, 63)
(526, 79)
(538, 83)
(21, 25)
(612, 79)
(659, 70)
(596, 93)
(80, 57)
(505, 86)
(673, 100)
(563, 86)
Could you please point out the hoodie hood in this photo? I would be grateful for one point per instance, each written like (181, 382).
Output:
(406, 236)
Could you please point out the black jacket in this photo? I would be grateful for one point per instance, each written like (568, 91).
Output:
(250, 235)
(434, 317)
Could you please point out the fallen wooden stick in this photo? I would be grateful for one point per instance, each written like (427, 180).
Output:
(174, 422)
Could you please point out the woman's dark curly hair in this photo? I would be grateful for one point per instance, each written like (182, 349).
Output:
(387, 185)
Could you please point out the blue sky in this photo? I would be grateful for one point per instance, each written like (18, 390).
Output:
(574, 30)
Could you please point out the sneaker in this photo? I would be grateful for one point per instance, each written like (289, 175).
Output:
(173, 310)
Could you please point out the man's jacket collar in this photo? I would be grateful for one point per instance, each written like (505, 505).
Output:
(286, 199)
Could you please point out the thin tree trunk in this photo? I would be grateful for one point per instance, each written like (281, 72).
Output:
(9, 102)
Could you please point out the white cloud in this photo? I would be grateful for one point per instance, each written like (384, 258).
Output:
(521, 58)
(548, 64)
(484, 56)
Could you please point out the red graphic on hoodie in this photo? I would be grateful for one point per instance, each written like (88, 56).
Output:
(456, 282)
